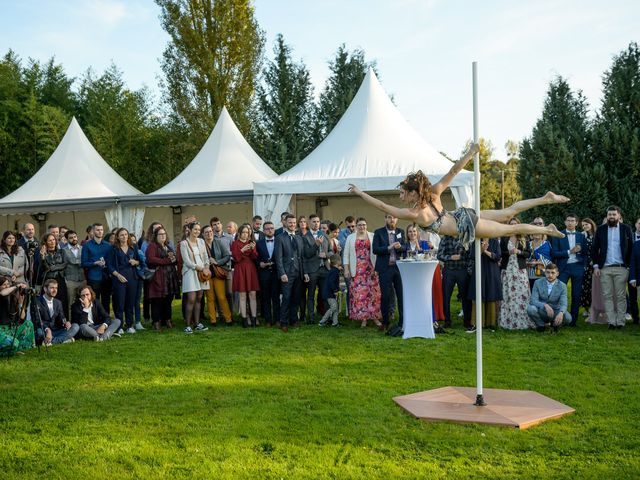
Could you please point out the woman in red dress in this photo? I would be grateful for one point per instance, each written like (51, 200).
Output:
(245, 273)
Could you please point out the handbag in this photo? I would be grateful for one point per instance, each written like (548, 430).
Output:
(203, 275)
(145, 273)
(220, 272)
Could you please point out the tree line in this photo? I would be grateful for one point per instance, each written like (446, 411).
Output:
(593, 160)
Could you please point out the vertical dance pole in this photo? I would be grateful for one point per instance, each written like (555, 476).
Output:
(476, 205)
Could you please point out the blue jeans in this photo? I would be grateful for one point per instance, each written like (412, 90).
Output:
(60, 335)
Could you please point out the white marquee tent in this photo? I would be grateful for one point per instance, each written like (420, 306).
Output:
(372, 146)
(75, 177)
(225, 168)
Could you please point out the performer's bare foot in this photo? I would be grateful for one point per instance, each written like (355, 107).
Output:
(551, 197)
(552, 231)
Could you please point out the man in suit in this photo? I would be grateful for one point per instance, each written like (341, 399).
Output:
(49, 319)
(568, 254)
(256, 226)
(288, 249)
(548, 302)
(282, 228)
(315, 258)
(611, 254)
(268, 275)
(388, 245)
(73, 272)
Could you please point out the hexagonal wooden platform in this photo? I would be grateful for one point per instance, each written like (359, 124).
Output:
(507, 408)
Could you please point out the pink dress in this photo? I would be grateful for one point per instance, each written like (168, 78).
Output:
(364, 291)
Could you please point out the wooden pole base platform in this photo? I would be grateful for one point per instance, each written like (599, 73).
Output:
(507, 408)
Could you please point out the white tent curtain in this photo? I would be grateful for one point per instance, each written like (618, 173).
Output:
(131, 218)
(463, 195)
(270, 206)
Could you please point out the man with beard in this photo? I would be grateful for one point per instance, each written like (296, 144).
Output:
(74, 273)
(611, 253)
(388, 245)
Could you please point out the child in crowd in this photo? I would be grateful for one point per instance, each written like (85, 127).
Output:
(331, 288)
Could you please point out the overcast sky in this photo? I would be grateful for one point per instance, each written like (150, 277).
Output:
(423, 50)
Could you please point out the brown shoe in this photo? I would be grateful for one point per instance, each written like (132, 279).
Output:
(285, 329)
(156, 326)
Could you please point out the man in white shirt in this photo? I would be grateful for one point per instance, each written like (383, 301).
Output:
(611, 256)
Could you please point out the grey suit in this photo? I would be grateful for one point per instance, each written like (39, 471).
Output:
(556, 299)
(316, 267)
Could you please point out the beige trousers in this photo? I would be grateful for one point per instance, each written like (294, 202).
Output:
(614, 293)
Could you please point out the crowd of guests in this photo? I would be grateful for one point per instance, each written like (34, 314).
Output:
(62, 288)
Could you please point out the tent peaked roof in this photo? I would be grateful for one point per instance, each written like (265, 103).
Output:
(225, 163)
(372, 144)
(74, 171)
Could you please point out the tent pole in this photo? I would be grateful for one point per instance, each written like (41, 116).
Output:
(478, 270)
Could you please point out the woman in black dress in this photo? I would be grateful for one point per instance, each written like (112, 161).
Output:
(589, 229)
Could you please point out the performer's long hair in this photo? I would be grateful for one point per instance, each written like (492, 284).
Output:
(419, 183)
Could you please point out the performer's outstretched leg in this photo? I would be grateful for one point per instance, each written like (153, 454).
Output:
(486, 228)
(507, 214)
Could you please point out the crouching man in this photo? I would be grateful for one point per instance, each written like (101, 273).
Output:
(49, 319)
(91, 317)
(548, 304)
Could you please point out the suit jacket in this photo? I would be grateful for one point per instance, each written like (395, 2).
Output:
(635, 262)
(288, 260)
(311, 252)
(560, 250)
(55, 321)
(380, 247)
(523, 256)
(79, 316)
(73, 270)
(557, 299)
(264, 257)
(601, 240)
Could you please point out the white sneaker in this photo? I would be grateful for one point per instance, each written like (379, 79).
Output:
(119, 333)
(69, 340)
(461, 314)
(201, 328)
(139, 326)
(627, 316)
(188, 330)
(131, 330)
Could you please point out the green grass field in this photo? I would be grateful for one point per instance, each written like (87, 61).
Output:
(314, 403)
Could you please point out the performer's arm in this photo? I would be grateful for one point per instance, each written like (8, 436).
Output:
(444, 182)
(403, 213)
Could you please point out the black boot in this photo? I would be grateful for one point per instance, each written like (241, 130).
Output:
(254, 322)
(245, 323)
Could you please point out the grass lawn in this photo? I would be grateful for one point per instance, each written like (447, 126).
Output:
(314, 403)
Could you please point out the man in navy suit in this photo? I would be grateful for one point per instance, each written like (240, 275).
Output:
(288, 259)
(548, 302)
(282, 227)
(49, 319)
(568, 254)
(268, 275)
(611, 254)
(388, 245)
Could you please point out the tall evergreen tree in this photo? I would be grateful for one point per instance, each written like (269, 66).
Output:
(212, 60)
(30, 128)
(616, 138)
(348, 69)
(283, 132)
(556, 157)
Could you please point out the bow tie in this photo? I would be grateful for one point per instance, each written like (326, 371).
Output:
(270, 241)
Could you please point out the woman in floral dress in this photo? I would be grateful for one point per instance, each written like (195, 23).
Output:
(364, 289)
(515, 283)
